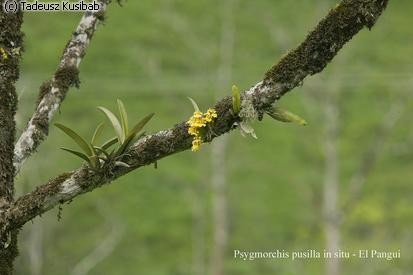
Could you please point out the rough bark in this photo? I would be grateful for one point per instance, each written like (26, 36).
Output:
(11, 39)
(53, 92)
(317, 50)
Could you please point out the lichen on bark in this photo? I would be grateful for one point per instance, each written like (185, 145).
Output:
(11, 38)
(53, 92)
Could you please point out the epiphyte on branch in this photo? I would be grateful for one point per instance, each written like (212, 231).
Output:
(198, 124)
(125, 136)
(282, 115)
(236, 100)
(91, 152)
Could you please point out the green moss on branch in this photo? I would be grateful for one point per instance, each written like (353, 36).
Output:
(324, 42)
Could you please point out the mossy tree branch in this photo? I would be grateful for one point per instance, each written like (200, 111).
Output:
(11, 39)
(317, 50)
(53, 92)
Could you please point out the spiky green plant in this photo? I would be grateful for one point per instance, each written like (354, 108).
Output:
(121, 127)
(91, 152)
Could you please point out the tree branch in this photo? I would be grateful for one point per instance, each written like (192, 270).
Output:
(11, 39)
(53, 92)
(320, 46)
(11, 43)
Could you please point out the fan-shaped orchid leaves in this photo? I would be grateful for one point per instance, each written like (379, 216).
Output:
(97, 133)
(104, 152)
(76, 153)
(115, 123)
(124, 136)
(78, 139)
(96, 155)
(109, 143)
(90, 152)
(135, 130)
(123, 118)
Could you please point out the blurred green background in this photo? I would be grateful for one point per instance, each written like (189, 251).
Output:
(152, 54)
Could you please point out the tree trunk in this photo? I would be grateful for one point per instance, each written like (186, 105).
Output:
(10, 46)
(8, 253)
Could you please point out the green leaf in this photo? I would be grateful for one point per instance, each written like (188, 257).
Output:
(278, 116)
(236, 100)
(196, 108)
(101, 151)
(94, 161)
(94, 153)
(286, 116)
(76, 153)
(78, 139)
(97, 133)
(115, 123)
(123, 117)
(134, 132)
(109, 143)
(140, 125)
